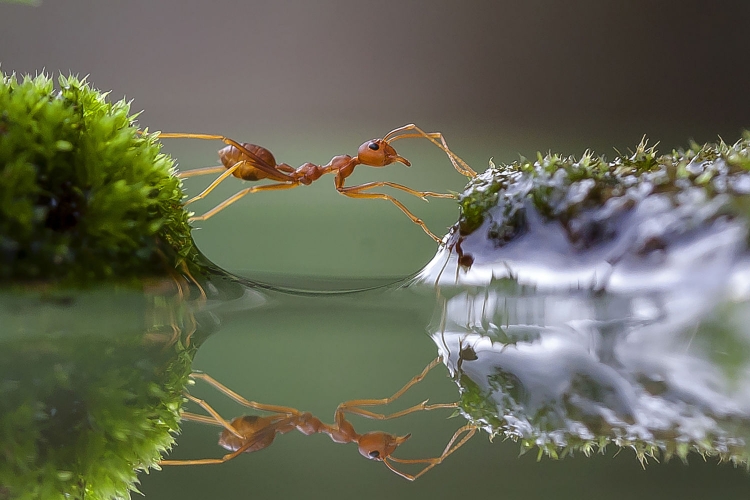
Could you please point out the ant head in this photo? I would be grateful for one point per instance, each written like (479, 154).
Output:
(379, 445)
(378, 153)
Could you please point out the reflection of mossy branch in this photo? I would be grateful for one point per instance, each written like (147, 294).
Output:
(83, 195)
(80, 415)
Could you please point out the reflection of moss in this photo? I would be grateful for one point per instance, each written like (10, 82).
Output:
(558, 431)
(81, 414)
(477, 405)
(591, 394)
(83, 196)
(563, 188)
(510, 387)
(725, 341)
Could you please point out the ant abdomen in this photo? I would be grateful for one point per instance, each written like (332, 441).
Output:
(231, 156)
(248, 425)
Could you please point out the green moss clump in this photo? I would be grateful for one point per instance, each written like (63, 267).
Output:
(83, 195)
(562, 188)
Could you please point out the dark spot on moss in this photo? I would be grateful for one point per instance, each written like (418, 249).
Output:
(585, 233)
(65, 208)
(512, 224)
(64, 418)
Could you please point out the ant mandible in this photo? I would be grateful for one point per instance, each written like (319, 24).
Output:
(252, 163)
(250, 433)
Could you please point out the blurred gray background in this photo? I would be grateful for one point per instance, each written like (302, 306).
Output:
(313, 79)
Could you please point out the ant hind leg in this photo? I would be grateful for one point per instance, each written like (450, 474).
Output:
(209, 461)
(239, 399)
(195, 172)
(221, 206)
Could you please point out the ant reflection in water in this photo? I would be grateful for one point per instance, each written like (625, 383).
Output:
(250, 433)
(252, 163)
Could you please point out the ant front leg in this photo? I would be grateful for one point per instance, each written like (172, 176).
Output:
(353, 406)
(460, 165)
(419, 194)
(469, 429)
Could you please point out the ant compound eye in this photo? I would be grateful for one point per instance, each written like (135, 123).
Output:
(374, 454)
(374, 146)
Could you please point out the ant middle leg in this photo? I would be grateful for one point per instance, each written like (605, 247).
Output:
(423, 406)
(227, 172)
(419, 194)
(353, 405)
(355, 192)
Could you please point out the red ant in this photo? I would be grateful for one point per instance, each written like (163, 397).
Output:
(252, 163)
(250, 433)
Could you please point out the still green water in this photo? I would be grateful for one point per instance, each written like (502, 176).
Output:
(315, 352)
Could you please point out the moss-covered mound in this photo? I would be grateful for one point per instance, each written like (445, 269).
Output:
(83, 195)
(565, 188)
